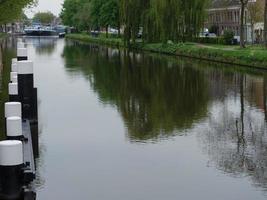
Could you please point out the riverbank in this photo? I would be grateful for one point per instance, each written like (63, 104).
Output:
(252, 56)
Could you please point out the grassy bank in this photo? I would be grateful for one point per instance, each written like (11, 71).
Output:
(252, 56)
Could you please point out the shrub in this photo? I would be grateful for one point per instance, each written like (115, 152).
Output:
(228, 37)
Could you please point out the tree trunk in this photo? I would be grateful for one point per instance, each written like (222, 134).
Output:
(242, 42)
(106, 31)
(265, 24)
(119, 29)
(252, 33)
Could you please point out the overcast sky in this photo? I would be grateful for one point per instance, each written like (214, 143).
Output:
(46, 5)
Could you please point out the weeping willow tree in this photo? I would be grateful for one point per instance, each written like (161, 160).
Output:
(163, 20)
(132, 12)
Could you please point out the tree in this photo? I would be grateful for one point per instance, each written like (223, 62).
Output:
(155, 20)
(69, 11)
(256, 13)
(242, 18)
(44, 17)
(11, 10)
(265, 23)
(109, 14)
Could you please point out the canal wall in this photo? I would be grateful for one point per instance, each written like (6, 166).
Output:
(253, 57)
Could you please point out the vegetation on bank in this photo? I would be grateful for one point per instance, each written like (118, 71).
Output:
(155, 20)
(254, 56)
(3, 35)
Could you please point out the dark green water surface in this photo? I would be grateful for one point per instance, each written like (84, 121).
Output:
(118, 125)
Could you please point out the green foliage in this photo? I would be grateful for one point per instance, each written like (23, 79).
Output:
(209, 40)
(155, 20)
(228, 37)
(176, 20)
(252, 56)
(44, 17)
(99, 40)
(11, 10)
(90, 14)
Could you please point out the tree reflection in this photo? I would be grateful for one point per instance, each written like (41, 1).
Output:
(158, 97)
(155, 97)
(235, 136)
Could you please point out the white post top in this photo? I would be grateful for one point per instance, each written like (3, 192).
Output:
(20, 45)
(12, 74)
(14, 126)
(12, 109)
(25, 67)
(14, 60)
(13, 89)
(14, 67)
(11, 153)
(22, 52)
(14, 79)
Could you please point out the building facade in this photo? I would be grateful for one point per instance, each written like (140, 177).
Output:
(226, 15)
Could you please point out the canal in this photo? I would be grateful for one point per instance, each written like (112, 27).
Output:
(118, 125)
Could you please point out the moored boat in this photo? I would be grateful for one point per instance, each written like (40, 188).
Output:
(40, 31)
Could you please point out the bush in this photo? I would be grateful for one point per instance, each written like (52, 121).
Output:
(228, 37)
(209, 40)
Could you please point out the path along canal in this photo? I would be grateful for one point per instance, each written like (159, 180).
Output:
(118, 125)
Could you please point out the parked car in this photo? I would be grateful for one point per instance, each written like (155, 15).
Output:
(113, 31)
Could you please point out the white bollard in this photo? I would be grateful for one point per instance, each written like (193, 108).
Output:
(26, 89)
(13, 92)
(12, 109)
(12, 74)
(14, 60)
(22, 54)
(11, 169)
(25, 67)
(14, 128)
(13, 88)
(20, 45)
(14, 79)
(11, 153)
(19, 39)
(14, 67)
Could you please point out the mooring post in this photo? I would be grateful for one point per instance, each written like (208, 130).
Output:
(14, 128)
(14, 61)
(25, 88)
(12, 109)
(22, 54)
(11, 173)
(13, 92)
(14, 79)
(20, 45)
(13, 74)
(14, 67)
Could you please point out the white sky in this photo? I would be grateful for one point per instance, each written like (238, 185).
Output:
(46, 5)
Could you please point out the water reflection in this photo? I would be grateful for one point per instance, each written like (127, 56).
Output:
(155, 98)
(234, 135)
(42, 45)
(162, 97)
